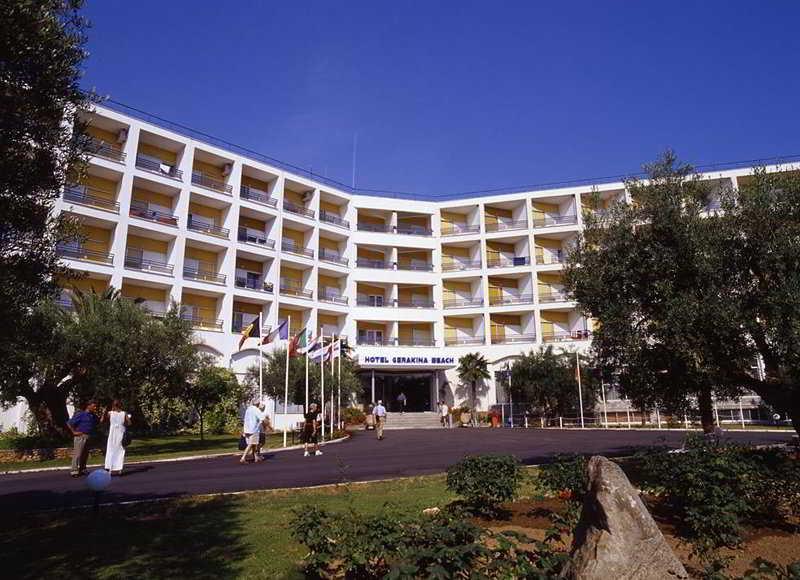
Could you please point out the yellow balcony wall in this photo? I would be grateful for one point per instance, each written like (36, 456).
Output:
(103, 134)
(296, 322)
(366, 254)
(247, 308)
(541, 208)
(553, 322)
(330, 208)
(249, 265)
(148, 244)
(147, 196)
(449, 219)
(252, 223)
(205, 211)
(497, 286)
(371, 220)
(201, 255)
(407, 332)
(209, 169)
(297, 238)
(255, 183)
(168, 157)
(453, 290)
(101, 187)
(452, 326)
(135, 292)
(294, 197)
(331, 245)
(493, 214)
(95, 239)
(88, 285)
(450, 255)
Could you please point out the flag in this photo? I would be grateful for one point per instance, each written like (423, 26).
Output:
(298, 342)
(336, 349)
(312, 344)
(320, 353)
(252, 330)
(282, 332)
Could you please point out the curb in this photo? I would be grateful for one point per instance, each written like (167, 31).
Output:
(169, 459)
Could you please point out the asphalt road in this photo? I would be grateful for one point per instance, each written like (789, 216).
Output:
(362, 458)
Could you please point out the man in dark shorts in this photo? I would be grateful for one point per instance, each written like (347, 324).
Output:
(310, 430)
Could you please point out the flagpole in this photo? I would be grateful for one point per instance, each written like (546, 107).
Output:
(307, 348)
(578, 376)
(260, 362)
(322, 381)
(333, 414)
(339, 383)
(286, 385)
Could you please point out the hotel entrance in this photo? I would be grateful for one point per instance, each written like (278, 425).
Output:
(417, 387)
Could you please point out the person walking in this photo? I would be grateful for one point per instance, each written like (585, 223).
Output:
(310, 430)
(379, 412)
(444, 414)
(401, 400)
(118, 423)
(82, 425)
(254, 418)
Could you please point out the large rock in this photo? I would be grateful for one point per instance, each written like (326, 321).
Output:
(616, 536)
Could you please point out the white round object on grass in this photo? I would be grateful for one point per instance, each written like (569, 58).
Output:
(98, 480)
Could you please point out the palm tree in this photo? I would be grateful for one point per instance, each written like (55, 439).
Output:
(473, 367)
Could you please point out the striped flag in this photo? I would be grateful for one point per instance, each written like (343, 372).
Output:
(252, 330)
(298, 343)
(281, 332)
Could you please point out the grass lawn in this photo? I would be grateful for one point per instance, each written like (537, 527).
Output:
(243, 536)
(149, 448)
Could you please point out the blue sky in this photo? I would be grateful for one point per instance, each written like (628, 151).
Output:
(461, 96)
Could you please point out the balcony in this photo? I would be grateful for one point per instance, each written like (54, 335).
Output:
(513, 338)
(104, 149)
(136, 262)
(160, 168)
(330, 218)
(555, 220)
(252, 283)
(416, 342)
(415, 303)
(458, 266)
(508, 262)
(551, 258)
(203, 275)
(79, 253)
(292, 248)
(415, 266)
(379, 228)
(82, 194)
(202, 323)
(204, 180)
(238, 325)
(333, 298)
(373, 302)
(464, 340)
(413, 231)
(257, 196)
(463, 303)
(566, 336)
(292, 207)
(374, 264)
(290, 289)
(503, 226)
(256, 239)
(331, 256)
(141, 210)
(507, 299)
(210, 229)
(546, 297)
(460, 230)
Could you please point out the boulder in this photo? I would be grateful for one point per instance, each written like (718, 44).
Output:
(616, 536)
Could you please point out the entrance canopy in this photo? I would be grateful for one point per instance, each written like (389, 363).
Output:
(404, 359)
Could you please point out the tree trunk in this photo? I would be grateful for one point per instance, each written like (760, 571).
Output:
(201, 426)
(474, 409)
(49, 409)
(706, 406)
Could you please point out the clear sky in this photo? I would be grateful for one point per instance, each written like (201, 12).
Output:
(459, 96)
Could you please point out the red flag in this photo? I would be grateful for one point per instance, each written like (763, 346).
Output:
(294, 346)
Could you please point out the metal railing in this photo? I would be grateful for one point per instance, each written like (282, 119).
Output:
(104, 149)
(292, 248)
(379, 228)
(257, 195)
(334, 219)
(367, 301)
(256, 239)
(257, 284)
(204, 275)
(554, 296)
(203, 323)
(375, 264)
(414, 303)
(551, 258)
(463, 303)
(138, 263)
(456, 266)
(505, 226)
(331, 256)
(204, 180)
(566, 336)
(508, 262)
(556, 220)
(292, 207)
(292, 290)
(210, 229)
(510, 299)
(426, 267)
(413, 231)
(334, 299)
(515, 338)
(141, 210)
(365, 341)
(78, 194)
(79, 253)
(463, 341)
(159, 168)
(416, 342)
(460, 230)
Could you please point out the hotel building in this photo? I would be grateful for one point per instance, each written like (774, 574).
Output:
(412, 285)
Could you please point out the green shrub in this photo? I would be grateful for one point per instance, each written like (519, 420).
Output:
(566, 477)
(765, 570)
(353, 416)
(485, 481)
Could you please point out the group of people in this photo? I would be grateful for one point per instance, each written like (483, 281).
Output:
(83, 426)
(256, 422)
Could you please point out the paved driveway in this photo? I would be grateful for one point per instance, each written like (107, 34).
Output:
(362, 458)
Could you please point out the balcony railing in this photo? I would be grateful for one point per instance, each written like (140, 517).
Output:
(551, 258)
(456, 266)
(415, 303)
(463, 303)
(413, 231)
(379, 228)
(510, 299)
(200, 178)
(508, 262)
(555, 220)
(464, 340)
(292, 290)
(334, 299)
(292, 207)
(554, 296)
(104, 149)
(141, 210)
(460, 230)
(160, 168)
(375, 264)
(203, 275)
(372, 303)
(502, 226)
(416, 342)
(83, 195)
(566, 336)
(259, 239)
(210, 229)
(292, 248)
(415, 266)
(257, 284)
(331, 256)
(78, 253)
(513, 338)
(330, 218)
(202, 323)
(138, 263)
(257, 196)
(366, 341)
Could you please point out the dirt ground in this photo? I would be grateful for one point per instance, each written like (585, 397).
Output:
(780, 544)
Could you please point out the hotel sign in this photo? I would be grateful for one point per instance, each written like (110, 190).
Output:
(408, 359)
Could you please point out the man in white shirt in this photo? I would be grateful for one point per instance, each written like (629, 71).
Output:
(254, 418)
(379, 412)
(444, 413)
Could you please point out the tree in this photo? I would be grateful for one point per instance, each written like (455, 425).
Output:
(42, 145)
(473, 368)
(653, 273)
(208, 387)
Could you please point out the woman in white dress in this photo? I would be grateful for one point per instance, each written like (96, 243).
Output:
(118, 421)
